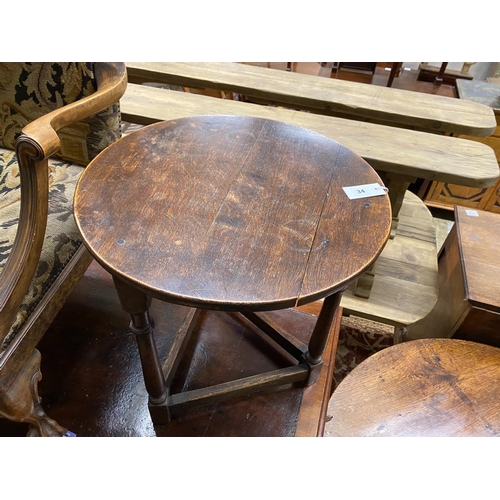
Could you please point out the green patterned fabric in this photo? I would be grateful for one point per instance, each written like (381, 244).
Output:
(62, 238)
(31, 90)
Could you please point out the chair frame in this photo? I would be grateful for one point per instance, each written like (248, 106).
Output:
(20, 363)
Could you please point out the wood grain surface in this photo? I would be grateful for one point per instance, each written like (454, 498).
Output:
(405, 288)
(389, 149)
(427, 387)
(479, 246)
(324, 95)
(231, 212)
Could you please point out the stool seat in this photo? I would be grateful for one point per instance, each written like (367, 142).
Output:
(427, 387)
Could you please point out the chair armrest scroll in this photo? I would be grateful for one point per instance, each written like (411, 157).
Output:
(111, 85)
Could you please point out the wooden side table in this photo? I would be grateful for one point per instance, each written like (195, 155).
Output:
(234, 214)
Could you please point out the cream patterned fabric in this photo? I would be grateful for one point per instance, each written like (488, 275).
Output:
(62, 238)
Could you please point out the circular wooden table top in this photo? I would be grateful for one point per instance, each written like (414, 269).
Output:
(428, 387)
(231, 212)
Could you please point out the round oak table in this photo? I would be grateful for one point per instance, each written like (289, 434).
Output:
(421, 388)
(229, 213)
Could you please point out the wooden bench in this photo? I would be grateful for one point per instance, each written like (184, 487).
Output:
(406, 288)
(445, 195)
(329, 96)
(400, 155)
(398, 108)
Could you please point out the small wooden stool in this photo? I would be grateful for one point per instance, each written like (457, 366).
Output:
(427, 387)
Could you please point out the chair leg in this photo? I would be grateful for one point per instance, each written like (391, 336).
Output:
(21, 403)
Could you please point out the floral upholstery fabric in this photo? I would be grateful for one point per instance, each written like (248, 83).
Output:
(28, 91)
(62, 238)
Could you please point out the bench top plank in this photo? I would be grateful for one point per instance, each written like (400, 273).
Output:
(406, 152)
(397, 107)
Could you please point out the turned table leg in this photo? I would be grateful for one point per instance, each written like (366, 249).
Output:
(320, 335)
(137, 303)
(395, 70)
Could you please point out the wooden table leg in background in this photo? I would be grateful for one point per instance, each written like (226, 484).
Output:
(440, 76)
(395, 69)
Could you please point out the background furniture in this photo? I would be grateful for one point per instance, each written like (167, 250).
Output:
(439, 75)
(253, 218)
(446, 194)
(421, 388)
(395, 71)
(469, 299)
(405, 287)
(368, 67)
(328, 96)
(69, 112)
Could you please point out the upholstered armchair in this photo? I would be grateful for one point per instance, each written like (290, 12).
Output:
(54, 119)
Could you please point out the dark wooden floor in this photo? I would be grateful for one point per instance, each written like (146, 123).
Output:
(92, 381)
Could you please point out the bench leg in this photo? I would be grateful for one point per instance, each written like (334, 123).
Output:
(364, 284)
(20, 402)
(397, 185)
(440, 76)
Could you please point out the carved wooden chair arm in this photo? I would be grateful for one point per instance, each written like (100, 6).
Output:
(111, 84)
(38, 141)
